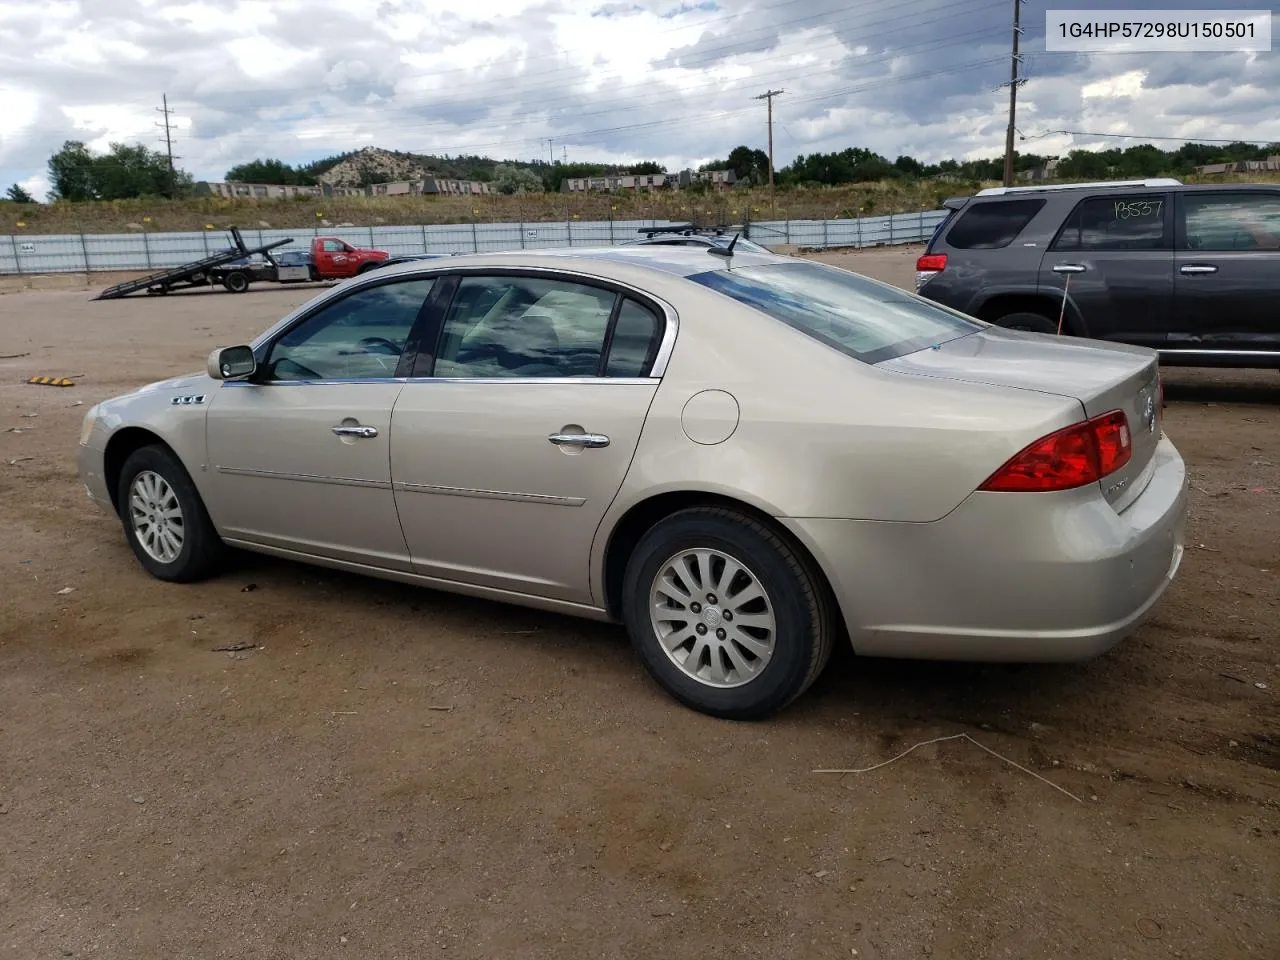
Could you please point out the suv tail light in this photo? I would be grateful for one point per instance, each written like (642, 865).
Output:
(929, 266)
(1075, 456)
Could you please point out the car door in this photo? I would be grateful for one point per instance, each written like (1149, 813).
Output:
(1227, 280)
(334, 259)
(507, 456)
(298, 456)
(1114, 258)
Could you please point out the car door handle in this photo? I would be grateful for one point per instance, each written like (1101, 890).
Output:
(1194, 268)
(579, 439)
(1068, 268)
(357, 431)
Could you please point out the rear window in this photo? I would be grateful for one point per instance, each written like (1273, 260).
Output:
(862, 318)
(991, 225)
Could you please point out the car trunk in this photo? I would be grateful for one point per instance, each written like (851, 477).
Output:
(1102, 377)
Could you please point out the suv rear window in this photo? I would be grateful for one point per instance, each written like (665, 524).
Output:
(993, 224)
(865, 319)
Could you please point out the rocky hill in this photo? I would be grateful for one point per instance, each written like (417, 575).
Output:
(371, 165)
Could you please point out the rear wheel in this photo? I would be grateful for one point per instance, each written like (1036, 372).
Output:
(237, 281)
(726, 616)
(164, 518)
(1026, 320)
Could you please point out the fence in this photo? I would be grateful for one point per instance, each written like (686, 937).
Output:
(83, 253)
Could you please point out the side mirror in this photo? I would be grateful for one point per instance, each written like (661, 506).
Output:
(232, 363)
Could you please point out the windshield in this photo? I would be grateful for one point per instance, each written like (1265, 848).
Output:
(863, 318)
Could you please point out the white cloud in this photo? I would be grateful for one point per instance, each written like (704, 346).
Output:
(613, 80)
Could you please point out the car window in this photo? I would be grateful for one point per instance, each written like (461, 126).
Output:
(359, 337)
(524, 327)
(635, 340)
(992, 224)
(1232, 221)
(867, 320)
(1117, 223)
(333, 246)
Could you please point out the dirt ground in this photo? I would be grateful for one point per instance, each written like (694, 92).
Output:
(396, 773)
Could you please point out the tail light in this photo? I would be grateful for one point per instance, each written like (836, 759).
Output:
(1075, 456)
(929, 266)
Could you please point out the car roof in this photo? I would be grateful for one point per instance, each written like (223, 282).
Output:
(680, 261)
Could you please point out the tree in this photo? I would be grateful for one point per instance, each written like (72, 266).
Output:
(908, 166)
(646, 167)
(270, 171)
(512, 179)
(122, 173)
(19, 195)
(749, 165)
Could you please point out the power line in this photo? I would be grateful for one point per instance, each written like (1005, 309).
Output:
(1136, 136)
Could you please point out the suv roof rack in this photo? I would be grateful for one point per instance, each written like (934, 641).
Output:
(1150, 182)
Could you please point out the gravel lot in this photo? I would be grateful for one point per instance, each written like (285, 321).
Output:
(392, 772)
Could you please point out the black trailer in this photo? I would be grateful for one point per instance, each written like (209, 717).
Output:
(194, 274)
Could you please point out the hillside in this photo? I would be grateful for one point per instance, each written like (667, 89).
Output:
(376, 165)
(798, 203)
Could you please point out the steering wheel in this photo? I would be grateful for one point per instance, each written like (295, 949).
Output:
(389, 345)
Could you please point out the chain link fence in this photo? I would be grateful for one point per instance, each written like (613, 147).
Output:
(85, 253)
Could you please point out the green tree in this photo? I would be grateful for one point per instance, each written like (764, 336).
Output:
(19, 195)
(270, 171)
(122, 173)
(512, 179)
(748, 164)
(646, 167)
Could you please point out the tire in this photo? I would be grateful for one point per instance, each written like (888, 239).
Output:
(1026, 320)
(201, 550)
(803, 614)
(237, 281)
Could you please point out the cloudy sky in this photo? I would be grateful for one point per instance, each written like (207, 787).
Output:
(609, 80)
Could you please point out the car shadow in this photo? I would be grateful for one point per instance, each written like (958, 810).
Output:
(999, 697)
(1188, 385)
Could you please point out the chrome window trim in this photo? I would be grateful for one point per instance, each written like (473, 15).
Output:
(662, 358)
(621, 381)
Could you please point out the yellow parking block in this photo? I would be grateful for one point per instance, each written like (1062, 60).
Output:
(53, 381)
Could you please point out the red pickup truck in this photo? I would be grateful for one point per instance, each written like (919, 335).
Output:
(328, 259)
(332, 259)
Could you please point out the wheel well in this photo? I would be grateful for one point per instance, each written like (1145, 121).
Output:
(119, 447)
(639, 519)
(1050, 307)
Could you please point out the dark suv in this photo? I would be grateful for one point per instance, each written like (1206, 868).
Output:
(1192, 271)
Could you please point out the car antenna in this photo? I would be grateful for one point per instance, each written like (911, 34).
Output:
(726, 252)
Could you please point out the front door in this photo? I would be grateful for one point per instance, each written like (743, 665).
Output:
(299, 457)
(507, 457)
(335, 259)
(1114, 258)
(1227, 280)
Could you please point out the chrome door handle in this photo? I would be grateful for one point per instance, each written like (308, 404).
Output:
(1198, 268)
(1068, 268)
(365, 432)
(579, 439)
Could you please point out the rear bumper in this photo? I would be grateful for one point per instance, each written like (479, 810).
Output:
(1007, 577)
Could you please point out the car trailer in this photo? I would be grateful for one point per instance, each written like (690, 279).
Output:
(193, 274)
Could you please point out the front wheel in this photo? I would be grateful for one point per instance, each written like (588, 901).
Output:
(726, 616)
(164, 518)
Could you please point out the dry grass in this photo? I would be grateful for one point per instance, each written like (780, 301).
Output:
(869, 199)
(218, 214)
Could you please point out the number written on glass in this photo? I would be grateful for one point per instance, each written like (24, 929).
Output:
(1138, 209)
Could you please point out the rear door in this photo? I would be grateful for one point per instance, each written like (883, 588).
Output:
(505, 458)
(1227, 282)
(1114, 258)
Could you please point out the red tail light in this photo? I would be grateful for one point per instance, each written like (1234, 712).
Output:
(932, 262)
(1080, 454)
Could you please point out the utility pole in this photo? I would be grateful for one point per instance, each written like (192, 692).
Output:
(1014, 83)
(168, 141)
(551, 150)
(768, 97)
